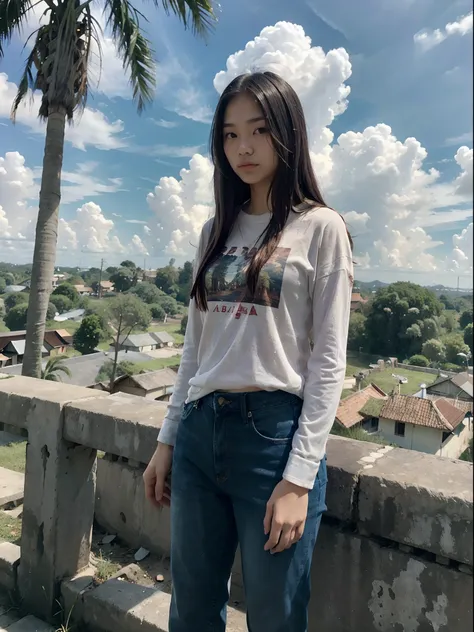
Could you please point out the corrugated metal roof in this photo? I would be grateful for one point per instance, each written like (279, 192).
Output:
(151, 380)
(138, 340)
(19, 347)
(163, 337)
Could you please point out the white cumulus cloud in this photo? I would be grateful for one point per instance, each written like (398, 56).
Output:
(428, 39)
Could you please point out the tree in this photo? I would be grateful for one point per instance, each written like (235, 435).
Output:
(184, 324)
(122, 279)
(88, 336)
(468, 336)
(57, 67)
(447, 302)
(15, 320)
(128, 264)
(465, 319)
(419, 360)
(356, 338)
(167, 279)
(9, 278)
(148, 292)
(395, 309)
(3, 285)
(434, 350)
(429, 329)
(62, 303)
(54, 366)
(169, 304)
(454, 344)
(126, 312)
(51, 311)
(125, 367)
(157, 312)
(15, 298)
(68, 290)
(449, 322)
(185, 282)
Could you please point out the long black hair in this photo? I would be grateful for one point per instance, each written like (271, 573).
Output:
(294, 181)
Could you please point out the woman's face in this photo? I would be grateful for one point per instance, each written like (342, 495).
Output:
(248, 144)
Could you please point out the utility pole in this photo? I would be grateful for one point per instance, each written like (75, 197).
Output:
(99, 292)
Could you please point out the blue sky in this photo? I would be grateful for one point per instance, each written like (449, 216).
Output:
(410, 68)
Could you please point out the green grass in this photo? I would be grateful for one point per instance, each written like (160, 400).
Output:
(159, 363)
(69, 325)
(13, 456)
(3, 327)
(357, 434)
(385, 381)
(106, 568)
(10, 528)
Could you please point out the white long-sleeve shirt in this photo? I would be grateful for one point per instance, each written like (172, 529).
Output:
(264, 342)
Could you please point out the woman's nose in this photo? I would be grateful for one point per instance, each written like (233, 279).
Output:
(245, 149)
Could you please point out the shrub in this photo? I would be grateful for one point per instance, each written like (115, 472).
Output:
(157, 312)
(419, 360)
(184, 324)
(63, 303)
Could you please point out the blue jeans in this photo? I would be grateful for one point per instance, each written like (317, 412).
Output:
(230, 453)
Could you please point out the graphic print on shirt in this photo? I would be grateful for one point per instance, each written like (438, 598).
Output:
(226, 278)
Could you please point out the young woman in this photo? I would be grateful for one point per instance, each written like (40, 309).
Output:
(254, 400)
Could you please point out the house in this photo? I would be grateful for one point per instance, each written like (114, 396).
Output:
(57, 280)
(107, 286)
(15, 289)
(156, 385)
(349, 413)
(76, 315)
(55, 343)
(434, 426)
(83, 290)
(357, 301)
(457, 386)
(84, 369)
(163, 338)
(15, 350)
(146, 342)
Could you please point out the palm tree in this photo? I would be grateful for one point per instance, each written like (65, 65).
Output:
(54, 366)
(58, 67)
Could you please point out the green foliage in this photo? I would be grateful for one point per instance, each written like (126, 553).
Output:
(419, 360)
(449, 366)
(169, 304)
(127, 312)
(123, 368)
(66, 289)
(15, 298)
(447, 302)
(62, 302)
(434, 350)
(429, 329)
(185, 282)
(51, 311)
(89, 334)
(357, 337)
(468, 454)
(394, 324)
(465, 318)
(148, 293)
(167, 279)
(54, 366)
(157, 312)
(454, 344)
(9, 278)
(15, 319)
(184, 324)
(449, 322)
(128, 264)
(3, 285)
(468, 336)
(122, 279)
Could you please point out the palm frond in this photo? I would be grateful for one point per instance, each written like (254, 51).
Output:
(195, 14)
(133, 47)
(27, 81)
(13, 15)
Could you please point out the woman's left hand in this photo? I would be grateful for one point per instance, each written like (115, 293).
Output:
(285, 517)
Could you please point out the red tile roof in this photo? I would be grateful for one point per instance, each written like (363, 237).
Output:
(348, 412)
(439, 414)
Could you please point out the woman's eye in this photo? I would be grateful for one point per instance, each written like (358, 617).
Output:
(229, 135)
(261, 130)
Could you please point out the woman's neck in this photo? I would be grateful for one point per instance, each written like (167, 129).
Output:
(259, 200)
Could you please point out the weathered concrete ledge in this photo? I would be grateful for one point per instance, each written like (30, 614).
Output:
(9, 562)
(119, 606)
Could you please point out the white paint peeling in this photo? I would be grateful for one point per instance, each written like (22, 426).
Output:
(404, 602)
(448, 545)
(437, 616)
(420, 530)
(368, 467)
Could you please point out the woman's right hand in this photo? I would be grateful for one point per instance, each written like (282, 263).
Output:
(155, 477)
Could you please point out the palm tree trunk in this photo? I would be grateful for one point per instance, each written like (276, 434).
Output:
(116, 352)
(44, 257)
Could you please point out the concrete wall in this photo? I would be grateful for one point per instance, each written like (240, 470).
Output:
(396, 547)
(427, 440)
(458, 442)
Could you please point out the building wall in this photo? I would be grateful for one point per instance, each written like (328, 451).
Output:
(418, 438)
(448, 389)
(458, 442)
